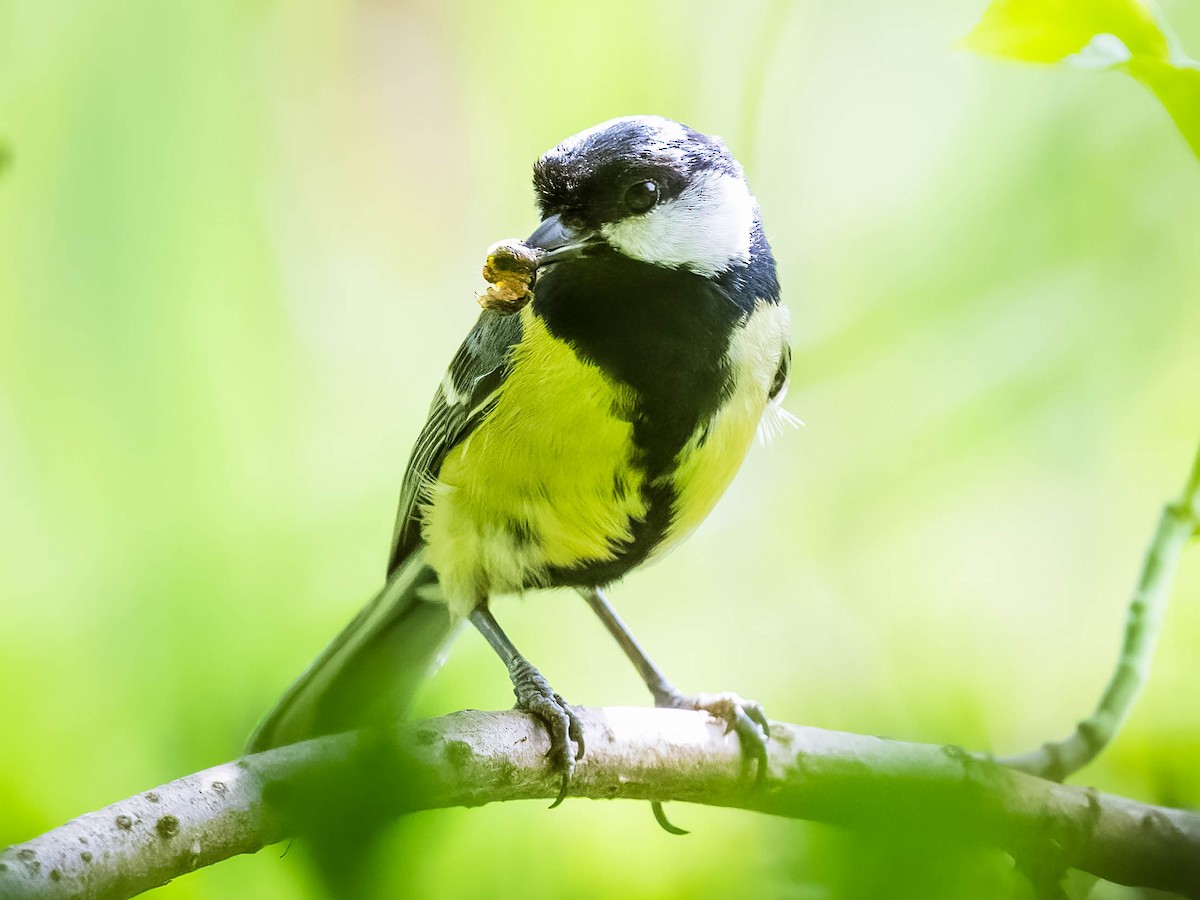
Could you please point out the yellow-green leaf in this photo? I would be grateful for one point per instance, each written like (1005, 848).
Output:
(1097, 34)
(1177, 87)
(1048, 31)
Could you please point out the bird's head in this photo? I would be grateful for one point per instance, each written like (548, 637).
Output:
(650, 189)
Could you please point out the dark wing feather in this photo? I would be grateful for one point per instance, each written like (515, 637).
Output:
(370, 670)
(780, 381)
(476, 373)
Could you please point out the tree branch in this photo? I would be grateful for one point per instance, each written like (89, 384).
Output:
(1178, 524)
(470, 758)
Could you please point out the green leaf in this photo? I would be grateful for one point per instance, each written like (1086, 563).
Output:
(1048, 31)
(1177, 87)
(1096, 34)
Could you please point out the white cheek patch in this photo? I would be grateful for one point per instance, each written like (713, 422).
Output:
(707, 228)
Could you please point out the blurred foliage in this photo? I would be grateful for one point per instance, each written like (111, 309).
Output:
(1048, 32)
(1103, 34)
(241, 243)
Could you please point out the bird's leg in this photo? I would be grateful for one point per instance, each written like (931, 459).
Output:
(743, 717)
(534, 695)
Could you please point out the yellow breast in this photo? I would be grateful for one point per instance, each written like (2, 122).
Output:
(708, 462)
(544, 481)
(550, 479)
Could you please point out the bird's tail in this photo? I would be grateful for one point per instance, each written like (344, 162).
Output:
(371, 670)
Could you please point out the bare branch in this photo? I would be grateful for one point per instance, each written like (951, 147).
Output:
(470, 758)
(1177, 525)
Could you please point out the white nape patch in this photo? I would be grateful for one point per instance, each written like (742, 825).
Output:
(706, 229)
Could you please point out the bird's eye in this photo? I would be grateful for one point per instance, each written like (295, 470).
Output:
(641, 196)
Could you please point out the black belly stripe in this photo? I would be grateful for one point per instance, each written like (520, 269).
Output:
(664, 333)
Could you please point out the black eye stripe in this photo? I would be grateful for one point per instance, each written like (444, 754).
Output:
(599, 195)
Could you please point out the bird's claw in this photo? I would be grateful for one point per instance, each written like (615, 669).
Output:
(745, 718)
(660, 816)
(535, 696)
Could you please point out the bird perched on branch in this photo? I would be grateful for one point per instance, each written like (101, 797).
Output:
(580, 431)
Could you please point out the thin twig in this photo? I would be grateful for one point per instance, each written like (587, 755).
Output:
(470, 758)
(1177, 525)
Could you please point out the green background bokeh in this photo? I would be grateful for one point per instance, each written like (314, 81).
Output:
(239, 242)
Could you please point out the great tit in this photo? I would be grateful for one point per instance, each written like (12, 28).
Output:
(582, 436)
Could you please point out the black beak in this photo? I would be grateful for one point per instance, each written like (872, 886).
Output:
(560, 241)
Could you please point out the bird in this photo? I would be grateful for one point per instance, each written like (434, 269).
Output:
(584, 435)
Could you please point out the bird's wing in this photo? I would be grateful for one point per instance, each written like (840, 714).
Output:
(467, 393)
(775, 417)
(779, 383)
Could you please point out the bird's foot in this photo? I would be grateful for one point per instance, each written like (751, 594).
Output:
(534, 695)
(745, 718)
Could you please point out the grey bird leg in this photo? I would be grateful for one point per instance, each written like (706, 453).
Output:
(534, 695)
(743, 717)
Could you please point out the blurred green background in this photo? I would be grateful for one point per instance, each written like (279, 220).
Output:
(239, 242)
